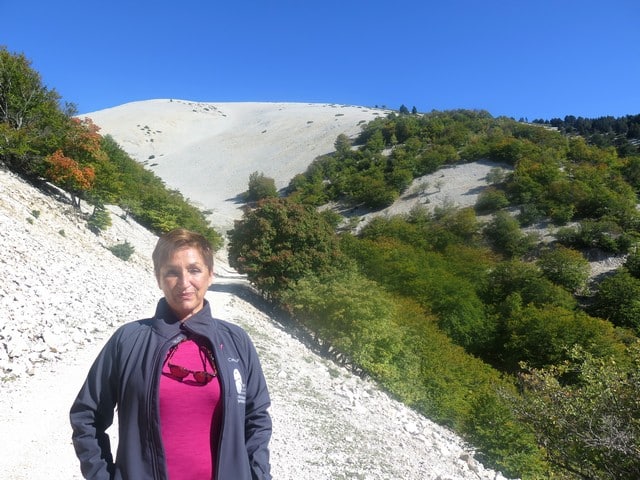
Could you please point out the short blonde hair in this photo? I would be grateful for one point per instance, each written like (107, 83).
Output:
(176, 239)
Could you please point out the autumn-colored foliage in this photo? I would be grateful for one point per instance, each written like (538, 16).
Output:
(68, 174)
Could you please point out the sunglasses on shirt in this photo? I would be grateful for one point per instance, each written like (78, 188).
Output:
(201, 376)
(180, 372)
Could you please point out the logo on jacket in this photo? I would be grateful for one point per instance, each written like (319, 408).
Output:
(240, 386)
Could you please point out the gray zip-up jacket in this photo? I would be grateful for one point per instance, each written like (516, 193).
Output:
(126, 374)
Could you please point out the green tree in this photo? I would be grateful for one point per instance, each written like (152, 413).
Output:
(100, 219)
(632, 264)
(352, 315)
(506, 236)
(376, 142)
(541, 336)
(508, 445)
(30, 115)
(490, 200)
(618, 300)
(260, 187)
(496, 175)
(342, 144)
(590, 428)
(279, 242)
(527, 281)
(566, 267)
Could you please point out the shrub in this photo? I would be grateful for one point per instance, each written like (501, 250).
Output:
(496, 175)
(604, 234)
(506, 237)
(260, 187)
(490, 200)
(99, 219)
(632, 264)
(122, 250)
(530, 213)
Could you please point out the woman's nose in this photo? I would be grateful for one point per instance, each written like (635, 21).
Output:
(183, 279)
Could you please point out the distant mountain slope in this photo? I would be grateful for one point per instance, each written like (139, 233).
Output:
(208, 150)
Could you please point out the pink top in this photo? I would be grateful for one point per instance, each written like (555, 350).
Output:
(190, 416)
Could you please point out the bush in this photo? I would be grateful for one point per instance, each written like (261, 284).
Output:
(530, 213)
(260, 187)
(504, 233)
(122, 250)
(490, 200)
(604, 234)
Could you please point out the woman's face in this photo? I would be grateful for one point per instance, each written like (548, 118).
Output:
(184, 279)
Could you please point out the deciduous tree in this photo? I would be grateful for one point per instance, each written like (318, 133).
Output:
(279, 242)
(590, 428)
(260, 186)
(68, 174)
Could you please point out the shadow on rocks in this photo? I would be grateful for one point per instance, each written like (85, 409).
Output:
(286, 322)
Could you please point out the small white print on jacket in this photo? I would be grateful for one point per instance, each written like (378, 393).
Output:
(240, 387)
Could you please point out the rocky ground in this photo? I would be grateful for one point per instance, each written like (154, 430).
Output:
(63, 293)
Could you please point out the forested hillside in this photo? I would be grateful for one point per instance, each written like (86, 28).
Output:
(461, 313)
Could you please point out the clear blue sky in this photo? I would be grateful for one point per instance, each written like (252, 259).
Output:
(520, 58)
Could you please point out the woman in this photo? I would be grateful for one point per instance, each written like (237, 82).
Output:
(191, 396)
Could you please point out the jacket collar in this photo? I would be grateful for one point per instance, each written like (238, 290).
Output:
(168, 325)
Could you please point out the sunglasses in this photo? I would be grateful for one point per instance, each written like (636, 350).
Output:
(202, 377)
(180, 372)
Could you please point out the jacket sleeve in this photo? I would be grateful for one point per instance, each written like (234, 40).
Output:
(92, 414)
(257, 419)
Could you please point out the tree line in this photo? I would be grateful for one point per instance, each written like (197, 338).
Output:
(623, 133)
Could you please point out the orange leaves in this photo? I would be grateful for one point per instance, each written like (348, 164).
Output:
(67, 173)
(73, 166)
